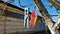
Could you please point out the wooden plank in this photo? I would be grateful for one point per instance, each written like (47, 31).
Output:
(11, 9)
(55, 3)
(12, 24)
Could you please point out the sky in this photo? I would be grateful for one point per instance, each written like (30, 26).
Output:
(46, 3)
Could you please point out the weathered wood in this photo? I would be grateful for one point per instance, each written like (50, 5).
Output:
(11, 9)
(12, 25)
(46, 16)
(55, 3)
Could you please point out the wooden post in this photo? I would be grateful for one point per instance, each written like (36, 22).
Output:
(47, 17)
